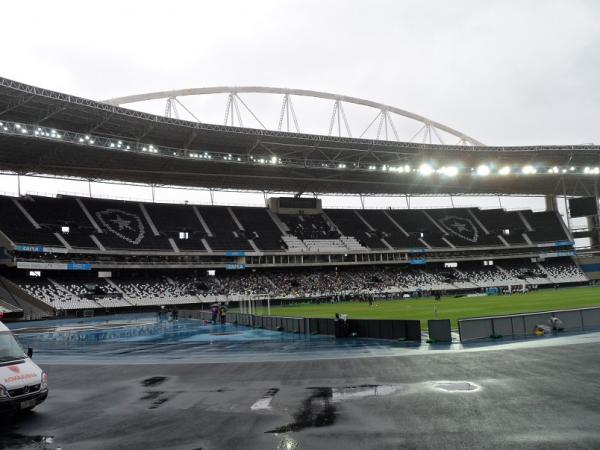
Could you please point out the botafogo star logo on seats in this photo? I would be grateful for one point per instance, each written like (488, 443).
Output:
(126, 226)
(461, 227)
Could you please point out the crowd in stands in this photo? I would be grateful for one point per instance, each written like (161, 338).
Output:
(181, 287)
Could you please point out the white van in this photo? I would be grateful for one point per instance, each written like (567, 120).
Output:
(23, 385)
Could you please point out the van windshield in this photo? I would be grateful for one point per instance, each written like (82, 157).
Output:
(9, 348)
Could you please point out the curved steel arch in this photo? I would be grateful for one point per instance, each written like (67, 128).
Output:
(173, 94)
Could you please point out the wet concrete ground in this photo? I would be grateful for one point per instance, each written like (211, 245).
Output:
(545, 397)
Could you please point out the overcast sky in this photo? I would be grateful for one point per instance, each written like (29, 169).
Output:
(504, 72)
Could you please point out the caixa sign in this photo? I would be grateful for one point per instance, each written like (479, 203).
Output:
(417, 261)
(30, 248)
(233, 266)
(79, 266)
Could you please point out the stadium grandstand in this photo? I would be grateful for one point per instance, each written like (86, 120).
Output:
(64, 254)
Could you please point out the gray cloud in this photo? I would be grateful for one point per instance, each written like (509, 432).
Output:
(506, 72)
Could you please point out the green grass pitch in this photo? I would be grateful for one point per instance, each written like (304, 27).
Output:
(448, 307)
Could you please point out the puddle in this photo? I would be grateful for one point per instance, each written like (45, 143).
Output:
(265, 401)
(316, 411)
(288, 443)
(158, 402)
(365, 391)
(151, 395)
(457, 386)
(19, 441)
(154, 381)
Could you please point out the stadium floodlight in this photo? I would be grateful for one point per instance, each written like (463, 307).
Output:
(425, 169)
(586, 170)
(529, 170)
(572, 169)
(505, 170)
(274, 160)
(449, 171)
(483, 170)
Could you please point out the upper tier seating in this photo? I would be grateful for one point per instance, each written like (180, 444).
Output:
(309, 226)
(388, 230)
(259, 227)
(418, 224)
(17, 227)
(56, 213)
(148, 227)
(546, 226)
(124, 226)
(226, 235)
(350, 224)
(171, 220)
(462, 228)
(496, 221)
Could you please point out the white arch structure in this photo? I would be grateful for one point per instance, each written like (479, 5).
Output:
(428, 132)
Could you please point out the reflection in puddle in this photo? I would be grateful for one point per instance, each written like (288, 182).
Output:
(265, 401)
(159, 401)
(316, 411)
(19, 441)
(151, 395)
(153, 381)
(457, 386)
(288, 443)
(365, 390)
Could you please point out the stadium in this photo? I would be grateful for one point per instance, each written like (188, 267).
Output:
(374, 306)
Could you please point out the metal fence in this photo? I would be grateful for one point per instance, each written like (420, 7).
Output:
(522, 325)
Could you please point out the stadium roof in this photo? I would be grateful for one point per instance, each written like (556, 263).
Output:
(45, 132)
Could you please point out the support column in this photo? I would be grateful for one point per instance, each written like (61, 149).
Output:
(594, 230)
(567, 213)
(551, 203)
(594, 222)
